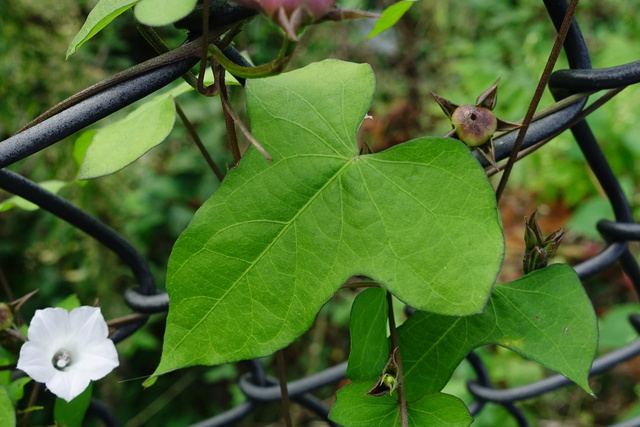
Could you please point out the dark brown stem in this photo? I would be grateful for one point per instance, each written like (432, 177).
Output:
(537, 96)
(32, 401)
(395, 349)
(590, 109)
(281, 367)
(230, 114)
(114, 323)
(194, 135)
(232, 138)
(154, 40)
(16, 334)
(205, 90)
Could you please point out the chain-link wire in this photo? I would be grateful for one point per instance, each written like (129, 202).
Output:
(256, 385)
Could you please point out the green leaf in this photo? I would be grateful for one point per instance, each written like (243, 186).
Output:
(81, 144)
(71, 414)
(390, 16)
(121, 143)
(277, 240)
(370, 348)
(18, 202)
(545, 316)
(7, 412)
(615, 328)
(354, 409)
(16, 389)
(102, 14)
(70, 302)
(163, 12)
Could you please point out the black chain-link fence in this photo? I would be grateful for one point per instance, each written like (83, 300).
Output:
(256, 385)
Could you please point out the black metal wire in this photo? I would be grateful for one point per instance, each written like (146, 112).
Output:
(103, 413)
(260, 388)
(89, 111)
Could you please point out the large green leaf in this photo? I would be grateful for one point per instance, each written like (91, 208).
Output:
(100, 16)
(354, 409)
(370, 347)
(277, 240)
(546, 316)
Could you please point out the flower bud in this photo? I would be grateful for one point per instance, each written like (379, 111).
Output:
(388, 381)
(291, 15)
(474, 125)
(538, 250)
(6, 316)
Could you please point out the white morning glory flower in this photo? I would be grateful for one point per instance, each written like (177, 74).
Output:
(67, 350)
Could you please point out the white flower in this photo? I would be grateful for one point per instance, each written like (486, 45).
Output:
(67, 350)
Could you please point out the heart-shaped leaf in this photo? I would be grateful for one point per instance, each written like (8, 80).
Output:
(354, 409)
(370, 347)
(277, 240)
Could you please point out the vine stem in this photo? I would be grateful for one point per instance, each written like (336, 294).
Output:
(194, 135)
(596, 104)
(537, 96)
(281, 367)
(120, 321)
(395, 349)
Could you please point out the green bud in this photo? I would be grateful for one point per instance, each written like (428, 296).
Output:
(538, 250)
(388, 381)
(6, 316)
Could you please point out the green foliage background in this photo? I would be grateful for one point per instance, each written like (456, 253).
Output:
(453, 47)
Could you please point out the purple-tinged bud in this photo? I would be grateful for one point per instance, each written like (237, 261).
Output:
(474, 125)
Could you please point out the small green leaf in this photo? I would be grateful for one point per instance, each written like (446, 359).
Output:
(163, 12)
(370, 348)
(16, 389)
(390, 16)
(149, 382)
(70, 302)
(545, 316)
(71, 414)
(615, 328)
(81, 144)
(278, 239)
(121, 143)
(102, 14)
(355, 409)
(7, 411)
(15, 201)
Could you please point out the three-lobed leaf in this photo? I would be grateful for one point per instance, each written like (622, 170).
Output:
(545, 316)
(277, 240)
